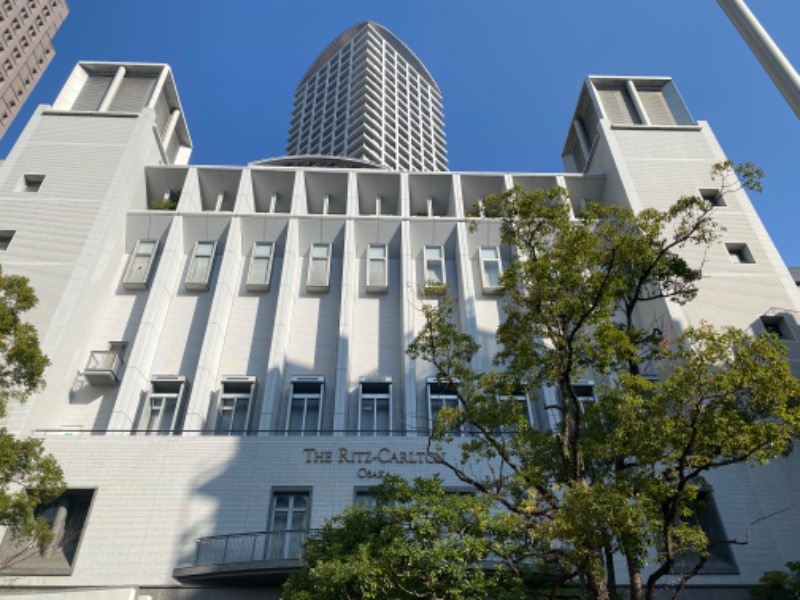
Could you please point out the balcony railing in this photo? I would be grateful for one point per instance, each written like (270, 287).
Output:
(251, 547)
(103, 368)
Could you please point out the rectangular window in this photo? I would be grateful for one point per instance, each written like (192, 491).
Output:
(778, 325)
(375, 407)
(5, 239)
(584, 390)
(260, 267)
(434, 266)
(440, 395)
(366, 499)
(319, 268)
(139, 267)
(199, 272)
(288, 527)
(30, 183)
(163, 406)
(740, 253)
(491, 269)
(377, 268)
(233, 411)
(305, 405)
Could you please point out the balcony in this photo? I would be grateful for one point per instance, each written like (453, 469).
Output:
(253, 557)
(104, 367)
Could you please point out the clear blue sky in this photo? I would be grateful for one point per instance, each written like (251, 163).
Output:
(510, 72)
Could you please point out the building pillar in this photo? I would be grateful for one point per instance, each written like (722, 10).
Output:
(112, 90)
(58, 527)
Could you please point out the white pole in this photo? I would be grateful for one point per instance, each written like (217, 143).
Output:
(767, 52)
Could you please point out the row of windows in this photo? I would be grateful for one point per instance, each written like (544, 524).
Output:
(319, 269)
(163, 411)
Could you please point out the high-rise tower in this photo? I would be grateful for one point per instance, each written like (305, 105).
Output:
(368, 96)
(26, 50)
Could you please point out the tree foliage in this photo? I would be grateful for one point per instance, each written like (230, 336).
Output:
(779, 585)
(418, 541)
(585, 299)
(29, 478)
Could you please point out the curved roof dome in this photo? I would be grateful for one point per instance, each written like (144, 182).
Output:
(395, 42)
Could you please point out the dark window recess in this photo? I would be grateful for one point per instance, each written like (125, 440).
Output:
(67, 518)
(5, 239)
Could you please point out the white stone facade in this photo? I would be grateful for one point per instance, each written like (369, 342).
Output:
(261, 383)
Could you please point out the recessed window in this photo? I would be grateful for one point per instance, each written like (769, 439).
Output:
(30, 183)
(491, 269)
(5, 239)
(434, 266)
(288, 525)
(141, 262)
(375, 407)
(319, 268)
(305, 405)
(67, 518)
(440, 396)
(260, 267)
(777, 325)
(740, 253)
(584, 390)
(236, 399)
(377, 268)
(162, 413)
(199, 272)
(713, 197)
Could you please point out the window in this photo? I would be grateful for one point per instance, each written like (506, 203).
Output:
(491, 269)
(584, 390)
(5, 239)
(288, 527)
(778, 325)
(440, 395)
(305, 406)
(199, 272)
(30, 183)
(720, 557)
(713, 197)
(377, 268)
(163, 406)
(141, 262)
(319, 268)
(233, 412)
(260, 267)
(375, 407)
(740, 253)
(434, 266)
(67, 518)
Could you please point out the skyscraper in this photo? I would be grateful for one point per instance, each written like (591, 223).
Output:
(368, 96)
(26, 49)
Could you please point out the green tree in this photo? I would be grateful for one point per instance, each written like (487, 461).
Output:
(417, 541)
(29, 478)
(779, 585)
(585, 298)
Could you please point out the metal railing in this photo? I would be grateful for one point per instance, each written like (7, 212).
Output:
(104, 362)
(251, 546)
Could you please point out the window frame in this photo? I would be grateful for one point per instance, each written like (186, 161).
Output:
(164, 381)
(31, 183)
(379, 286)
(260, 286)
(448, 400)
(202, 284)
(130, 284)
(740, 254)
(304, 396)
(287, 546)
(485, 285)
(426, 262)
(374, 396)
(247, 382)
(319, 287)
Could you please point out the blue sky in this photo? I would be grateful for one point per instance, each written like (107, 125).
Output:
(510, 73)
